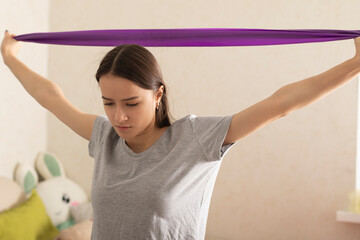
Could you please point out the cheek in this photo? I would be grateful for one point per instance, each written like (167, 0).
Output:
(109, 112)
(143, 112)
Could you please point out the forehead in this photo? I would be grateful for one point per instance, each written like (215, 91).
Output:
(117, 87)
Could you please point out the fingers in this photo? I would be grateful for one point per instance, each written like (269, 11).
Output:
(11, 34)
(8, 34)
(357, 47)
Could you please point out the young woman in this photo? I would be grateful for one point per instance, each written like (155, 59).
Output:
(153, 178)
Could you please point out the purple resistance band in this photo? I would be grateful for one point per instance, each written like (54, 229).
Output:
(190, 37)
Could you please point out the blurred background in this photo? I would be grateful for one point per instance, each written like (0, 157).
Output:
(285, 181)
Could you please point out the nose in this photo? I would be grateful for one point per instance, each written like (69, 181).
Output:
(120, 115)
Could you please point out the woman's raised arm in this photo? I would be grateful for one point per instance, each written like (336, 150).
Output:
(36, 85)
(302, 93)
(45, 92)
(292, 97)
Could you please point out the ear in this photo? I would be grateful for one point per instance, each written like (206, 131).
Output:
(48, 165)
(26, 176)
(159, 92)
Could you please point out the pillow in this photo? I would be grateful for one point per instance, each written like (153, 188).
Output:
(13, 195)
(81, 212)
(80, 231)
(27, 221)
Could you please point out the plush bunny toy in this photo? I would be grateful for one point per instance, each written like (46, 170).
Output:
(56, 191)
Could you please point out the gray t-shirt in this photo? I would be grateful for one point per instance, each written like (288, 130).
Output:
(162, 193)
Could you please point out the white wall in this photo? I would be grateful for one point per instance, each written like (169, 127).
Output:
(285, 181)
(23, 121)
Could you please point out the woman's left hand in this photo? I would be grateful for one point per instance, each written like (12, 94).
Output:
(357, 46)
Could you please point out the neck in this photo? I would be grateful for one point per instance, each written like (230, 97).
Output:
(146, 139)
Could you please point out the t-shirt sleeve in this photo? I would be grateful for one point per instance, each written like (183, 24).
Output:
(211, 133)
(100, 128)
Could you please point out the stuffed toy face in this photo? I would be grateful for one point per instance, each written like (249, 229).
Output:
(58, 194)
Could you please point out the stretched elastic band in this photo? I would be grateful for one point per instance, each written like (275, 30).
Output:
(190, 37)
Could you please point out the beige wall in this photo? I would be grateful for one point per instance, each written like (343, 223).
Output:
(23, 121)
(285, 181)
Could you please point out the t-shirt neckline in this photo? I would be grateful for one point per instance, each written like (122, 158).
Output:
(140, 154)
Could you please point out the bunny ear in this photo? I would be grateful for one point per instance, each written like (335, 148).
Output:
(26, 176)
(48, 165)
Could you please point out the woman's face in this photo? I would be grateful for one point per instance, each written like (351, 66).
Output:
(137, 113)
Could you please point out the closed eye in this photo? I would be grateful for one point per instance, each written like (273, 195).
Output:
(130, 105)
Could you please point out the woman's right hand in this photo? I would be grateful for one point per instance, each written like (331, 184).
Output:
(9, 46)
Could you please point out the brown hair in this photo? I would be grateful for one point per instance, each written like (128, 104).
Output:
(137, 64)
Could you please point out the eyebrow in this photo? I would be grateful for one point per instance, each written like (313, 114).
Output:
(127, 99)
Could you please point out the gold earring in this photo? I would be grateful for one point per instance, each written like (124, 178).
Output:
(158, 105)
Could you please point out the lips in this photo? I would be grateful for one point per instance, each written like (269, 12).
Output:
(123, 128)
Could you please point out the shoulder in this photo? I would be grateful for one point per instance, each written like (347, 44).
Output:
(102, 122)
(196, 122)
(183, 120)
(207, 120)
(103, 128)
